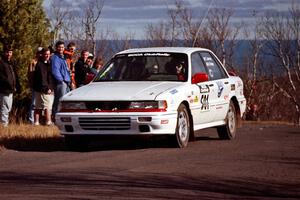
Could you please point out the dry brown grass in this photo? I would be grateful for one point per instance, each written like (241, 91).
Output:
(27, 137)
(270, 123)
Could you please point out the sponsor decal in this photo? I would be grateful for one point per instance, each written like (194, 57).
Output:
(148, 54)
(204, 102)
(220, 88)
(211, 74)
(239, 84)
(173, 91)
(196, 100)
(204, 88)
(205, 58)
(156, 54)
(232, 86)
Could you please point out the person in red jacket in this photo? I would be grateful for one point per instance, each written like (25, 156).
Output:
(69, 54)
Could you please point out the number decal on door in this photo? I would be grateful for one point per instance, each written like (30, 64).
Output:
(204, 102)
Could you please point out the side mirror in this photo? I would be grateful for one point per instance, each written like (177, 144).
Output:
(199, 78)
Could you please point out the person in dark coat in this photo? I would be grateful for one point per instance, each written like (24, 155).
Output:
(81, 69)
(8, 84)
(43, 87)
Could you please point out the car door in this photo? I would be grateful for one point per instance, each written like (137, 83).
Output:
(219, 84)
(203, 93)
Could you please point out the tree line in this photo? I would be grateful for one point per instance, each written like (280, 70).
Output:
(270, 67)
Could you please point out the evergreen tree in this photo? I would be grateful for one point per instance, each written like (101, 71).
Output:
(25, 26)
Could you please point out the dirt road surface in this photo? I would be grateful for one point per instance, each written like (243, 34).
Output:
(263, 162)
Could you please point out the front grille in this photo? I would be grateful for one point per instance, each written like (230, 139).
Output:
(104, 123)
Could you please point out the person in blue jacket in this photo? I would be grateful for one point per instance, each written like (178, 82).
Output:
(61, 74)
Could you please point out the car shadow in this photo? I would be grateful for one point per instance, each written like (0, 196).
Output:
(103, 143)
(46, 144)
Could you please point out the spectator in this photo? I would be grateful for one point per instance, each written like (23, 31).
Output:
(90, 61)
(81, 68)
(252, 114)
(9, 84)
(30, 73)
(97, 66)
(43, 87)
(69, 55)
(61, 75)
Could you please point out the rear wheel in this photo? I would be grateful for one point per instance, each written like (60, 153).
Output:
(182, 134)
(228, 131)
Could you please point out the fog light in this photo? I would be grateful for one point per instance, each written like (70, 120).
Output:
(66, 119)
(144, 119)
(164, 121)
(144, 128)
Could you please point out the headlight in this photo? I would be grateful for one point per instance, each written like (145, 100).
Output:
(71, 106)
(148, 105)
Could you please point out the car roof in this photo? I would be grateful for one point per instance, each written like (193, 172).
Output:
(186, 50)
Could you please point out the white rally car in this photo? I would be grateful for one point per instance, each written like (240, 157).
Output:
(172, 91)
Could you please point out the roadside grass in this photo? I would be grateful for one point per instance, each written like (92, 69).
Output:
(28, 137)
(270, 123)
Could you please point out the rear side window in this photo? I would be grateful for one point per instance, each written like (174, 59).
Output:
(215, 71)
(197, 64)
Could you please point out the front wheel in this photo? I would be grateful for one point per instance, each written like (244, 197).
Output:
(182, 133)
(228, 131)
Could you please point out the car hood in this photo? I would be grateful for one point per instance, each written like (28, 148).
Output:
(119, 91)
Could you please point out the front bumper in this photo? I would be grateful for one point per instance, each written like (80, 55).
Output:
(116, 123)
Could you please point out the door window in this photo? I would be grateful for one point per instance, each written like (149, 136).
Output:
(197, 64)
(215, 71)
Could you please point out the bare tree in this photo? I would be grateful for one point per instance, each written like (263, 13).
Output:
(194, 31)
(72, 28)
(220, 27)
(104, 44)
(174, 23)
(253, 62)
(57, 18)
(90, 20)
(123, 42)
(166, 33)
(157, 35)
(283, 35)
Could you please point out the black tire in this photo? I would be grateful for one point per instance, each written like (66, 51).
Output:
(182, 132)
(76, 143)
(228, 131)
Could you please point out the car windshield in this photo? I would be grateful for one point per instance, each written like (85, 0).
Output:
(152, 66)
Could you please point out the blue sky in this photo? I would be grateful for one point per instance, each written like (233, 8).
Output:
(132, 16)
